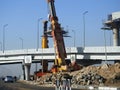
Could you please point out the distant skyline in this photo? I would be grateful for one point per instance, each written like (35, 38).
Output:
(21, 17)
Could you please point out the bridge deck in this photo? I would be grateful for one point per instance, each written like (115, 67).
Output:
(94, 53)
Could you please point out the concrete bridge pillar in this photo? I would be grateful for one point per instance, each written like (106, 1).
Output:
(116, 37)
(27, 72)
(27, 64)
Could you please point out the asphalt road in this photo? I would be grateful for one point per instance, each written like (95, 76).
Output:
(23, 86)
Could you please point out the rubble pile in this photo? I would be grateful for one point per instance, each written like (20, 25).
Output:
(87, 76)
(88, 79)
(48, 78)
(109, 71)
(91, 75)
(97, 75)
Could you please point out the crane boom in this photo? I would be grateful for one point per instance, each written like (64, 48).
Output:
(57, 36)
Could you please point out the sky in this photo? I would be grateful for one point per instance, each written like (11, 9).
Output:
(22, 16)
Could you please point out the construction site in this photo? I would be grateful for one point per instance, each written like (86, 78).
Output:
(74, 73)
(65, 68)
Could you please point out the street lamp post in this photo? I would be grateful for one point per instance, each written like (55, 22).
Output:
(84, 27)
(74, 37)
(1, 46)
(105, 46)
(21, 41)
(38, 35)
(4, 36)
(104, 28)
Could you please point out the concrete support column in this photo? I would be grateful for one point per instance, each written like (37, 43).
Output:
(23, 72)
(27, 64)
(116, 37)
(27, 71)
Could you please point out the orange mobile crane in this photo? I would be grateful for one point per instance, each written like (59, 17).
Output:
(57, 35)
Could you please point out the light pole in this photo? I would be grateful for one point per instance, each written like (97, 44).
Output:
(21, 41)
(1, 45)
(4, 36)
(38, 35)
(84, 27)
(74, 37)
(104, 28)
(105, 46)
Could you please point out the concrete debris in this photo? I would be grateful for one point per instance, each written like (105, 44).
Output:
(105, 66)
(106, 74)
(88, 79)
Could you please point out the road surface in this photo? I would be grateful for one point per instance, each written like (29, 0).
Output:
(23, 86)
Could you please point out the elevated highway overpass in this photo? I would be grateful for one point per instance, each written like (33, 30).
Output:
(79, 53)
(85, 56)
